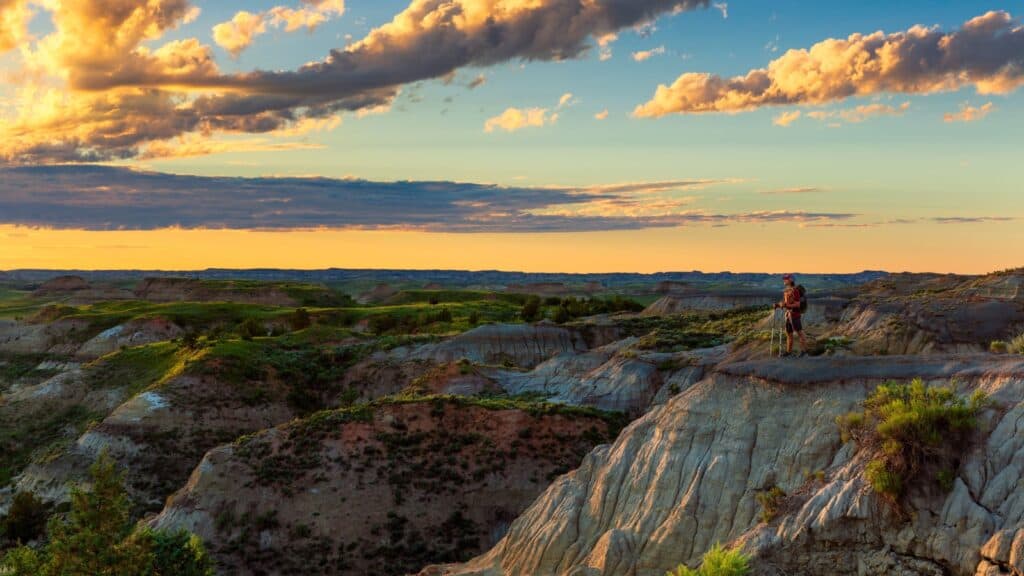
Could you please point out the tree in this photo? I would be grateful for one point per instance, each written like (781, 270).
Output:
(300, 319)
(98, 538)
(95, 539)
(26, 518)
(531, 309)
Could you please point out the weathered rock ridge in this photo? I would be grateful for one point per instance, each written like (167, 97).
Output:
(686, 475)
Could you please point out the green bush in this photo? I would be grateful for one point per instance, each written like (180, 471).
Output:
(531, 309)
(300, 320)
(1016, 346)
(771, 503)
(718, 562)
(913, 431)
(999, 347)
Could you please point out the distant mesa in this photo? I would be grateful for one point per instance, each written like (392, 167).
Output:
(539, 288)
(380, 293)
(433, 286)
(672, 287)
(62, 285)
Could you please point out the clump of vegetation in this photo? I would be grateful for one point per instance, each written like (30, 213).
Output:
(1016, 346)
(771, 501)
(999, 347)
(25, 520)
(98, 537)
(691, 330)
(718, 561)
(531, 309)
(914, 432)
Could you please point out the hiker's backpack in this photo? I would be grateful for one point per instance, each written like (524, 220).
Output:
(803, 298)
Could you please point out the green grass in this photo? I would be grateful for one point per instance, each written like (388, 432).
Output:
(21, 368)
(915, 433)
(691, 330)
(138, 368)
(18, 303)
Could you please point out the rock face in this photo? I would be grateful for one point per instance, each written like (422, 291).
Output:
(133, 333)
(685, 476)
(376, 491)
(905, 314)
(191, 290)
(519, 345)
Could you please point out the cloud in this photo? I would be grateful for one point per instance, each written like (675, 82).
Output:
(101, 85)
(987, 52)
(860, 113)
(969, 113)
(94, 197)
(477, 82)
(796, 190)
(602, 115)
(513, 119)
(644, 55)
(972, 219)
(723, 8)
(14, 18)
(604, 44)
(786, 118)
(238, 33)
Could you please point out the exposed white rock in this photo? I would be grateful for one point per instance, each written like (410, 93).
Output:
(685, 476)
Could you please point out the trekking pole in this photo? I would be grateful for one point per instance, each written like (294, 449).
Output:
(771, 343)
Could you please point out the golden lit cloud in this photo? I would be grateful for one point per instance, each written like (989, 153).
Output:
(644, 55)
(514, 119)
(860, 113)
(786, 118)
(987, 52)
(969, 113)
(238, 33)
(104, 84)
(602, 115)
(14, 17)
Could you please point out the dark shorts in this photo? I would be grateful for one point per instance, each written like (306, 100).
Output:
(793, 324)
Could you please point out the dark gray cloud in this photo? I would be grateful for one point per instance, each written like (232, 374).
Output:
(108, 198)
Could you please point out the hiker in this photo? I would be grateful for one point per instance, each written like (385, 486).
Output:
(794, 302)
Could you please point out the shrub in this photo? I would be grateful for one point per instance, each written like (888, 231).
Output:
(999, 347)
(97, 538)
(300, 320)
(1016, 346)
(179, 553)
(718, 562)
(251, 328)
(531, 309)
(26, 518)
(561, 315)
(474, 318)
(771, 503)
(913, 431)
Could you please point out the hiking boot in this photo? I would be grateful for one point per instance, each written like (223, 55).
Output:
(786, 355)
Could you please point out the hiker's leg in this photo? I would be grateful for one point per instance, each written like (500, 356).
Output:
(803, 341)
(789, 335)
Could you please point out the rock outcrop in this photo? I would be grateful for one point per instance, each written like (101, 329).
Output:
(686, 475)
(519, 345)
(377, 490)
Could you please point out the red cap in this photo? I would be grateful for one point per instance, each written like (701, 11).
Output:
(787, 276)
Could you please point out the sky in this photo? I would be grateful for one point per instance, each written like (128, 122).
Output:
(534, 135)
